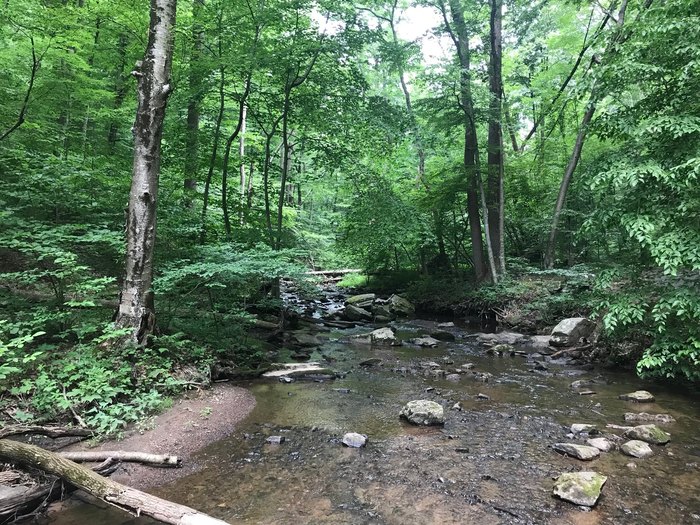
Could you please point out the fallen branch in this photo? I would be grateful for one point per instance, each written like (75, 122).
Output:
(125, 498)
(566, 351)
(52, 432)
(159, 460)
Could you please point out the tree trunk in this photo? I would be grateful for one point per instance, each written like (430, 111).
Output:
(495, 139)
(241, 157)
(616, 39)
(565, 182)
(136, 302)
(119, 92)
(125, 498)
(460, 37)
(212, 161)
(193, 105)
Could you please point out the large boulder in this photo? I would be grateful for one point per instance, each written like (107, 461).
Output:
(400, 306)
(423, 412)
(570, 331)
(364, 300)
(582, 452)
(382, 311)
(649, 433)
(355, 313)
(580, 488)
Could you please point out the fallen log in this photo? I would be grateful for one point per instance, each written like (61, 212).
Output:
(333, 272)
(158, 460)
(23, 504)
(125, 498)
(52, 432)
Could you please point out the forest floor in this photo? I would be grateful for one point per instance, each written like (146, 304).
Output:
(197, 419)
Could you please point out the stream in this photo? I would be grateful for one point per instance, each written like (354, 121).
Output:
(492, 462)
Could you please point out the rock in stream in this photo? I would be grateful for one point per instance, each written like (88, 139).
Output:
(580, 488)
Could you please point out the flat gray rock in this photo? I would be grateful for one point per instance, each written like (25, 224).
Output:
(582, 452)
(602, 444)
(580, 488)
(363, 300)
(423, 412)
(581, 428)
(636, 449)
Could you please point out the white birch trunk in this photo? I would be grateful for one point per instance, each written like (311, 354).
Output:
(136, 305)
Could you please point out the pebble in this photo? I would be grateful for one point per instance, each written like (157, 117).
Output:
(275, 440)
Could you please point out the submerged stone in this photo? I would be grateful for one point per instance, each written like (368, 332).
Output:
(649, 433)
(423, 412)
(582, 452)
(580, 488)
(644, 417)
(425, 341)
(636, 449)
(640, 396)
(443, 336)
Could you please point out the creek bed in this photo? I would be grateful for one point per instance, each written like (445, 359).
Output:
(492, 463)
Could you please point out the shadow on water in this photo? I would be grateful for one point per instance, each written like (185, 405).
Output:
(491, 463)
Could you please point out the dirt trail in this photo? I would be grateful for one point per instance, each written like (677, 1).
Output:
(195, 420)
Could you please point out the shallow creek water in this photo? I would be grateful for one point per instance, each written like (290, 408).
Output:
(492, 463)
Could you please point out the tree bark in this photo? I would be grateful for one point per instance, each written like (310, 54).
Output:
(125, 498)
(136, 302)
